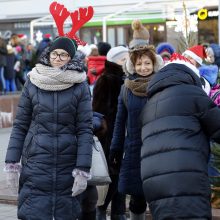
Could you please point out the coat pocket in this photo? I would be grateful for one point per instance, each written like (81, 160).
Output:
(27, 144)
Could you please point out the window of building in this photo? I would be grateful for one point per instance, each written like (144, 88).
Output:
(208, 31)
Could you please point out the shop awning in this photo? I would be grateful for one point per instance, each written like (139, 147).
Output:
(148, 10)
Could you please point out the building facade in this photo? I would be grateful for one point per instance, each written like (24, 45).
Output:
(117, 14)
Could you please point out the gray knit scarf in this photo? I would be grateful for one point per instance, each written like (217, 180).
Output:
(55, 79)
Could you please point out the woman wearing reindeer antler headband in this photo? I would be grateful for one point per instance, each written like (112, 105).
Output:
(52, 135)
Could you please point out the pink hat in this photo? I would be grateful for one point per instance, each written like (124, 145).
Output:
(196, 52)
(47, 35)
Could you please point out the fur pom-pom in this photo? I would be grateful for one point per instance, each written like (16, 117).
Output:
(140, 34)
(136, 25)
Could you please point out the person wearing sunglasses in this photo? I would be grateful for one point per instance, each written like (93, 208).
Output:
(50, 147)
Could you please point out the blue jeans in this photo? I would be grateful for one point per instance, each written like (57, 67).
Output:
(10, 85)
(2, 78)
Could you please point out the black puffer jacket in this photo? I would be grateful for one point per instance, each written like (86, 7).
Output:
(59, 138)
(178, 121)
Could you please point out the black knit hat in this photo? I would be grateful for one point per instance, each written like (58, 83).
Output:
(65, 43)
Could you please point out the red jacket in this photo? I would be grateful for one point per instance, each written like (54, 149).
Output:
(96, 66)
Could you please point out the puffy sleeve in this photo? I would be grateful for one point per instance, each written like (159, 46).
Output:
(84, 129)
(20, 126)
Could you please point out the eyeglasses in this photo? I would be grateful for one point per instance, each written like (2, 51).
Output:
(62, 56)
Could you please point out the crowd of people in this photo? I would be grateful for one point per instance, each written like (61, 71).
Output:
(151, 109)
(17, 58)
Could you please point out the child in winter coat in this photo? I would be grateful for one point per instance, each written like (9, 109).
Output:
(126, 146)
(96, 64)
(178, 121)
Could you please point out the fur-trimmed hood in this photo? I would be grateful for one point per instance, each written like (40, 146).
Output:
(128, 67)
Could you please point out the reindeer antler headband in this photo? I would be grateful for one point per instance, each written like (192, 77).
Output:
(79, 18)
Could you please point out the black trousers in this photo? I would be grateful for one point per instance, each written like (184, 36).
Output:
(117, 199)
(137, 204)
(88, 201)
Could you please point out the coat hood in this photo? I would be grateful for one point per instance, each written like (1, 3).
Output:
(210, 73)
(172, 75)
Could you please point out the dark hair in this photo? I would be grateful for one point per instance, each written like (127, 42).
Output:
(138, 52)
(103, 48)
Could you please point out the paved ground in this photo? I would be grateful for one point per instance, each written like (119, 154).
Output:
(4, 136)
(7, 212)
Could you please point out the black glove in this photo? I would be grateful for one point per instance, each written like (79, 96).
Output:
(99, 125)
(115, 158)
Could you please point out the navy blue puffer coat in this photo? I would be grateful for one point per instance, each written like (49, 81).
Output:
(128, 119)
(52, 135)
(178, 121)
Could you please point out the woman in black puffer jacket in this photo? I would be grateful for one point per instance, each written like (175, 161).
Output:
(178, 121)
(52, 135)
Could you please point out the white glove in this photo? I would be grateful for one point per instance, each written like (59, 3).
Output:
(12, 181)
(79, 185)
(12, 176)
